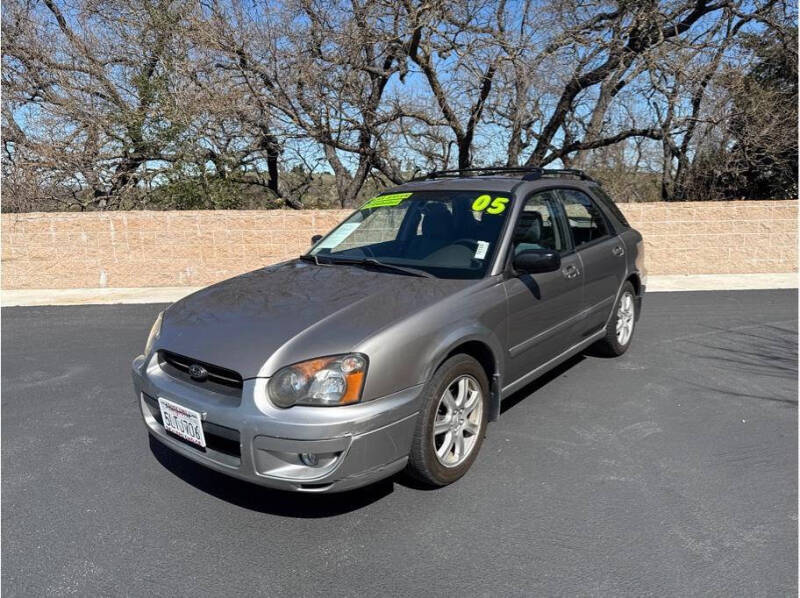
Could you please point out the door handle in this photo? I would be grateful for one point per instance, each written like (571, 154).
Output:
(618, 250)
(570, 271)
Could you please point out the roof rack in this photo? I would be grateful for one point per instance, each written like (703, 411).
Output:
(529, 173)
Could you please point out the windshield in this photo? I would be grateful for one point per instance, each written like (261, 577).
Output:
(449, 234)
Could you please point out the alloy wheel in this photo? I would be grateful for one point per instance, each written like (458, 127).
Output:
(458, 421)
(625, 317)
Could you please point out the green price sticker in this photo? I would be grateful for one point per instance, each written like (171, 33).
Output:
(490, 206)
(383, 201)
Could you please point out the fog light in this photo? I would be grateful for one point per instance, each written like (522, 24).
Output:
(309, 459)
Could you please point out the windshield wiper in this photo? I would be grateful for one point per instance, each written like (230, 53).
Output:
(372, 262)
(307, 257)
(367, 261)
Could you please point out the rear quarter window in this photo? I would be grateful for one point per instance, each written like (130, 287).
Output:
(609, 204)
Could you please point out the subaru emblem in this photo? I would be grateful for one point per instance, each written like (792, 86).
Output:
(198, 372)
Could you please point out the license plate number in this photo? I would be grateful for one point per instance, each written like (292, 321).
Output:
(182, 422)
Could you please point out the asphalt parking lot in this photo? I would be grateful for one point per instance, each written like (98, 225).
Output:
(669, 471)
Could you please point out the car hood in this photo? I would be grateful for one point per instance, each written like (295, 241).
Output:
(263, 320)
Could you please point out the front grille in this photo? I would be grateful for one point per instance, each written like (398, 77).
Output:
(221, 380)
(218, 438)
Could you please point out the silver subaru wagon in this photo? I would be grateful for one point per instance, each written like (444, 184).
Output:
(390, 345)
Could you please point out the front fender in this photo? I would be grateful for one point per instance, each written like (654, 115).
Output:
(409, 352)
(452, 339)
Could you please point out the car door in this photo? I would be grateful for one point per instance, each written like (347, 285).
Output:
(542, 308)
(601, 253)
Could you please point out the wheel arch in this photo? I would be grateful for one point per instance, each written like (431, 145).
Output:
(485, 355)
(636, 281)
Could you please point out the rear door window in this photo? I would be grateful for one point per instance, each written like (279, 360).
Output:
(586, 222)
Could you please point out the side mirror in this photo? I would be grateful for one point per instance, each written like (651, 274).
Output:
(315, 238)
(536, 261)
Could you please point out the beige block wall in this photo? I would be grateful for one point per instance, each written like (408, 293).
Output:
(717, 237)
(194, 248)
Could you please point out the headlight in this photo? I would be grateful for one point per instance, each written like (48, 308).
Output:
(327, 381)
(155, 332)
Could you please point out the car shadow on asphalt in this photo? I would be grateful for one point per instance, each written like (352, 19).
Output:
(266, 500)
(508, 403)
(523, 393)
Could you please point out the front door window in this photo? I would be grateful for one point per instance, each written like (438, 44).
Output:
(536, 226)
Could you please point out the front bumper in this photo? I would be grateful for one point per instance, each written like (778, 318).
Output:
(253, 440)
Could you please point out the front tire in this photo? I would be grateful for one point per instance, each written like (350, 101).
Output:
(452, 424)
(620, 327)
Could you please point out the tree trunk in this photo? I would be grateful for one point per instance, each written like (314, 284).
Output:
(464, 158)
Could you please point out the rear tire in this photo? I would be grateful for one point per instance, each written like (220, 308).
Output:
(451, 427)
(621, 325)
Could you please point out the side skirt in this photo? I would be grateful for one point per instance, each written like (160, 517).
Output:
(549, 365)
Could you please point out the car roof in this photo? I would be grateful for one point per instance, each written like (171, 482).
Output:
(496, 178)
(484, 183)
(492, 183)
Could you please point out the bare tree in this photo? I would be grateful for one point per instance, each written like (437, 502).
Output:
(102, 83)
(619, 37)
(321, 70)
(458, 32)
(256, 103)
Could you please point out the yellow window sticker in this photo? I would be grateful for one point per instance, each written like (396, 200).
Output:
(498, 205)
(481, 203)
(491, 206)
(382, 201)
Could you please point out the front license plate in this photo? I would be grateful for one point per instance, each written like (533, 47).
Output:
(182, 422)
